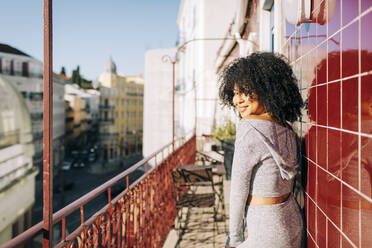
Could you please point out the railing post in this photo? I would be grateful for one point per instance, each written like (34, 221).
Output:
(48, 127)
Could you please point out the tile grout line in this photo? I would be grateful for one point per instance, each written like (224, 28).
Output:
(312, 238)
(327, 218)
(341, 79)
(338, 31)
(340, 130)
(335, 33)
(343, 182)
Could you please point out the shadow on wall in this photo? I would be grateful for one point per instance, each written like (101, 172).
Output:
(335, 106)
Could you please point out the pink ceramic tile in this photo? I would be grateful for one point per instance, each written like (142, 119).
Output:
(333, 209)
(334, 58)
(334, 152)
(303, 39)
(366, 42)
(322, 105)
(350, 104)
(333, 236)
(349, 11)
(322, 230)
(321, 147)
(334, 107)
(365, 4)
(311, 180)
(366, 104)
(366, 166)
(311, 136)
(366, 223)
(289, 29)
(292, 48)
(350, 45)
(349, 159)
(350, 214)
(312, 218)
(322, 190)
(312, 33)
(321, 27)
(334, 16)
(310, 242)
(307, 136)
(321, 69)
(312, 104)
(346, 243)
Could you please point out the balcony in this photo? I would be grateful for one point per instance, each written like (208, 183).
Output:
(36, 116)
(143, 214)
(106, 120)
(106, 107)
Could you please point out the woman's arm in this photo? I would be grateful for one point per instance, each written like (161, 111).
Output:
(245, 158)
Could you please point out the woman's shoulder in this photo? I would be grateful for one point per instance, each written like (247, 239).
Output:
(247, 125)
(245, 133)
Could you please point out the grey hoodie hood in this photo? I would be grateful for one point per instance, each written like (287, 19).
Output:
(281, 143)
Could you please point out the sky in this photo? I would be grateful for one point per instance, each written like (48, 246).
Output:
(88, 32)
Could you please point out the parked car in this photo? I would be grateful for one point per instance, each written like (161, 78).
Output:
(78, 163)
(81, 164)
(66, 165)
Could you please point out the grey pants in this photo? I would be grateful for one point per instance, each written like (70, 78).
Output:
(274, 226)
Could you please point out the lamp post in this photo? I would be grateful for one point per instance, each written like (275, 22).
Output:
(173, 60)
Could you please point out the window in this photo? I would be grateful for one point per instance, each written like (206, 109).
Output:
(1, 66)
(11, 67)
(25, 69)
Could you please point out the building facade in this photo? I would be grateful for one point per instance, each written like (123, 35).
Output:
(328, 44)
(26, 75)
(121, 114)
(202, 25)
(157, 118)
(81, 116)
(17, 172)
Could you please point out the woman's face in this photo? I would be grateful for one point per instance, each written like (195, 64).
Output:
(247, 105)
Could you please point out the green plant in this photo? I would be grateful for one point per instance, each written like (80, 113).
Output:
(226, 131)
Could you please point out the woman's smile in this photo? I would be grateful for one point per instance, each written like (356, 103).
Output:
(247, 105)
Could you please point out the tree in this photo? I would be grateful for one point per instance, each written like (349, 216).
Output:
(63, 71)
(76, 78)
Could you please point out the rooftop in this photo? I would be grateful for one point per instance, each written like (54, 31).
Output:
(8, 49)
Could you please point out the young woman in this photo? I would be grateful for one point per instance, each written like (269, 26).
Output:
(264, 91)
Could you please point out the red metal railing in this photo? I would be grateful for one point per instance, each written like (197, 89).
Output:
(140, 216)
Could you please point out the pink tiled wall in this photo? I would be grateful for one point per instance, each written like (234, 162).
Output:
(333, 62)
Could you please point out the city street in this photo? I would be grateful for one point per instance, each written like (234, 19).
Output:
(78, 181)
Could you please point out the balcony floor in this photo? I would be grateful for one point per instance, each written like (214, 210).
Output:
(199, 231)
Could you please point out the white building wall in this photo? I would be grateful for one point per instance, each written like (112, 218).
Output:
(157, 113)
(17, 173)
(202, 19)
(31, 87)
(94, 104)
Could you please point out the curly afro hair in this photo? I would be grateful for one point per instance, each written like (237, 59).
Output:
(268, 76)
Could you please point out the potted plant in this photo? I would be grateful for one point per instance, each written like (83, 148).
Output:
(226, 135)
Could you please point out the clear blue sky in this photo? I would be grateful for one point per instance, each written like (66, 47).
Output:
(87, 32)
